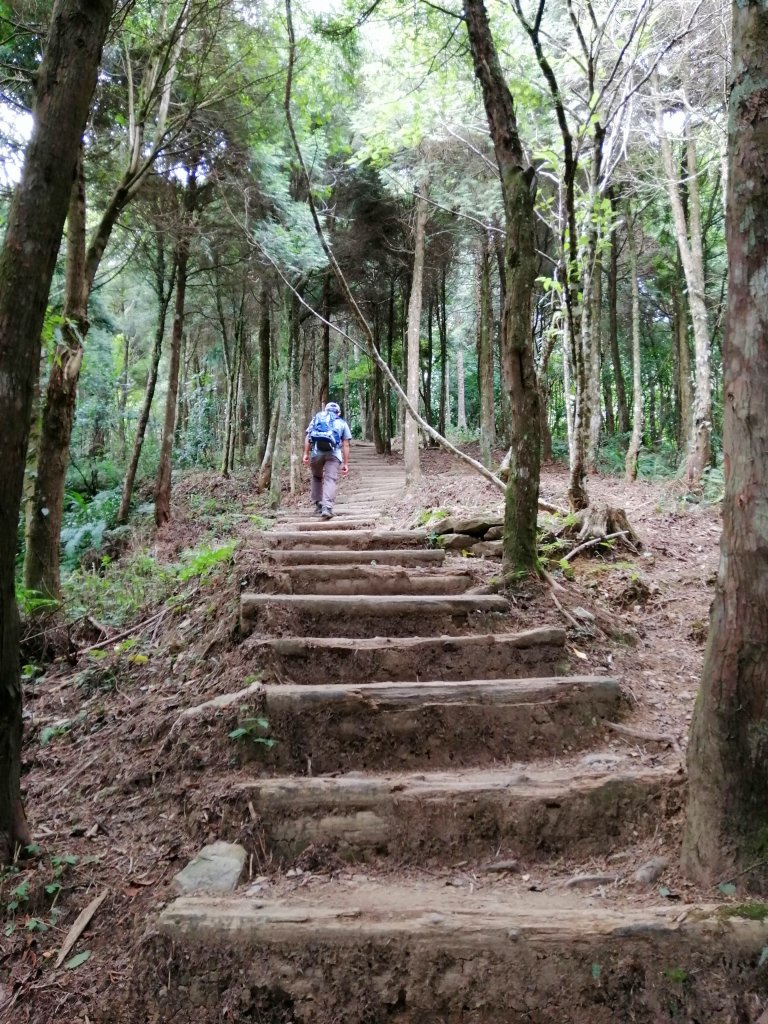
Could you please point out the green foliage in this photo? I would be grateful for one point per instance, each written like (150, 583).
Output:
(18, 898)
(32, 602)
(250, 729)
(201, 562)
(85, 523)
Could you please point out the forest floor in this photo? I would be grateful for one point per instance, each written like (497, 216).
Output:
(119, 797)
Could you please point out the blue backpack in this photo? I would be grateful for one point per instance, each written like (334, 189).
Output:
(323, 433)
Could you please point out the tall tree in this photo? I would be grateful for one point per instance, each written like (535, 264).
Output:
(727, 824)
(519, 372)
(65, 82)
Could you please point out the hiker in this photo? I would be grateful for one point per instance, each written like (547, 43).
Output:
(326, 446)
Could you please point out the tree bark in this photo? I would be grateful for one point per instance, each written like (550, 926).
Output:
(622, 409)
(64, 84)
(164, 295)
(163, 480)
(411, 430)
(263, 399)
(485, 353)
(690, 247)
(461, 408)
(683, 367)
(443, 411)
(630, 464)
(727, 823)
(45, 511)
(521, 505)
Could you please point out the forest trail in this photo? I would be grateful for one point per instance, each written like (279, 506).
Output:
(430, 758)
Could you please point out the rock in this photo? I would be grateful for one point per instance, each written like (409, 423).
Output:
(488, 549)
(456, 541)
(216, 868)
(495, 533)
(650, 871)
(601, 760)
(477, 525)
(583, 614)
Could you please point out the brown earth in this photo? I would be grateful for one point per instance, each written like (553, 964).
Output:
(132, 794)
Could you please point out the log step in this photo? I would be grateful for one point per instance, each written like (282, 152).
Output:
(351, 539)
(392, 556)
(367, 579)
(305, 660)
(385, 726)
(431, 950)
(442, 817)
(398, 614)
(323, 525)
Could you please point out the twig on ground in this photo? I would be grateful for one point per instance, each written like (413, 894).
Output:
(77, 929)
(593, 542)
(648, 737)
(137, 628)
(574, 622)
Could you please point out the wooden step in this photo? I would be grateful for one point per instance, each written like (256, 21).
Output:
(475, 814)
(392, 556)
(381, 726)
(390, 614)
(324, 525)
(420, 952)
(353, 540)
(365, 579)
(305, 660)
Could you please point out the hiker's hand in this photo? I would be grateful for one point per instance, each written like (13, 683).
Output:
(305, 458)
(345, 469)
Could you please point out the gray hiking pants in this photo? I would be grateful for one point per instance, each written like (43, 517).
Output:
(325, 476)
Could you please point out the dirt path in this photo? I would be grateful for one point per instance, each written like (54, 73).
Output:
(447, 827)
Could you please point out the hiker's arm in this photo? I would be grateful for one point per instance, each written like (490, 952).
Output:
(345, 453)
(306, 449)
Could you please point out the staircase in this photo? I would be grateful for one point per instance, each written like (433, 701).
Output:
(431, 766)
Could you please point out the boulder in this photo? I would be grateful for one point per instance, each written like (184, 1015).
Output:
(488, 549)
(456, 541)
(216, 868)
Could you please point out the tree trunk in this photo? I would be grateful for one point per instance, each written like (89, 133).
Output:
(45, 511)
(163, 480)
(63, 87)
(164, 299)
(683, 367)
(485, 353)
(263, 399)
(690, 247)
(522, 492)
(727, 824)
(622, 409)
(325, 352)
(265, 467)
(411, 430)
(295, 405)
(595, 352)
(461, 408)
(630, 464)
(443, 413)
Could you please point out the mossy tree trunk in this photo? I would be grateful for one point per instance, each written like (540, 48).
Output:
(64, 85)
(727, 825)
(522, 493)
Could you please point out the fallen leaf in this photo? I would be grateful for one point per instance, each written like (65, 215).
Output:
(77, 960)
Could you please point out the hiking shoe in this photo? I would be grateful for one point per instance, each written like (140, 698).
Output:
(318, 506)
(326, 513)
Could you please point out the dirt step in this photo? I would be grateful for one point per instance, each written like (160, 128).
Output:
(393, 614)
(352, 539)
(366, 579)
(381, 726)
(441, 954)
(440, 817)
(307, 660)
(391, 556)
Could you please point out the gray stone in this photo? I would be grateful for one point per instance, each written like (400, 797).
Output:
(600, 760)
(477, 525)
(488, 549)
(649, 872)
(495, 533)
(457, 541)
(216, 868)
